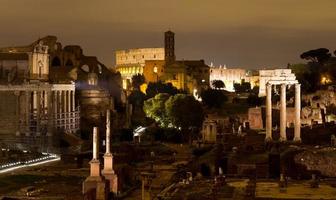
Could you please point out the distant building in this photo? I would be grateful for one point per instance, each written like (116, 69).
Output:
(42, 86)
(189, 75)
(232, 76)
(132, 61)
(160, 64)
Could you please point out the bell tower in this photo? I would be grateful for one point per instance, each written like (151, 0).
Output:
(169, 47)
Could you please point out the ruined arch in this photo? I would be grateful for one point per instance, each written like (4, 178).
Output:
(55, 62)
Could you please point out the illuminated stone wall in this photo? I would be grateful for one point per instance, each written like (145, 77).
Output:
(138, 56)
(228, 76)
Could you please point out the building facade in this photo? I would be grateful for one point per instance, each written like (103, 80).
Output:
(32, 108)
(232, 76)
(132, 61)
(160, 64)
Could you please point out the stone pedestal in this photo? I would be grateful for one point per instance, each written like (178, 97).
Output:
(95, 185)
(95, 182)
(109, 174)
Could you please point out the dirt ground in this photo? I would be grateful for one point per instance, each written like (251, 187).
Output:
(53, 180)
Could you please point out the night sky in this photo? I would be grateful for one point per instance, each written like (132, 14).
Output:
(244, 33)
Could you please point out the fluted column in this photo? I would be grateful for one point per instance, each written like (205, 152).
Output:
(297, 126)
(283, 113)
(268, 112)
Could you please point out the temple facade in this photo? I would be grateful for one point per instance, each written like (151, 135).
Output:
(33, 109)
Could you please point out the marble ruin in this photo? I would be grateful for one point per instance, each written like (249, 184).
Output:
(33, 108)
(283, 82)
(101, 183)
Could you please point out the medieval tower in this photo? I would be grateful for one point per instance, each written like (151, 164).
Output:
(169, 47)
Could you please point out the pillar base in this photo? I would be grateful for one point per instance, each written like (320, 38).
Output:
(97, 184)
(108, 163)
(297, 140)
(94, 168)
(112, 178)
(268, 139)
(282, 139)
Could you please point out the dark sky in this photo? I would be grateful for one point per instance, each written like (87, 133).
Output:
(245, 33)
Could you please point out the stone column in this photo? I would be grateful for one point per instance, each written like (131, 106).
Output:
(297, 126)
(50, 110)
(55, 104)
(94, 163)
(28, 107)
(108, 171)
(268, 112)
(283, 113)
(108, 132)
(38, 112)
(17, 112)
(59, 105)
(69, 115)
(95, 180)
(73, 101)
(65, 114)
(95, 144)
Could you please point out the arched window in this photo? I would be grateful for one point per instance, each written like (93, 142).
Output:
(56, 62)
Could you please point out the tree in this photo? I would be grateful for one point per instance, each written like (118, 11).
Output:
(218, 84)
(159, 87)
(185, 112)
(137, 81)
(320, 55)
(155, 109)
(213, 98)
(136, 98)
(243, 87)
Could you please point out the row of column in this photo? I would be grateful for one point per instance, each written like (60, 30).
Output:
(44, 105)
(64, 101)
(283, 113)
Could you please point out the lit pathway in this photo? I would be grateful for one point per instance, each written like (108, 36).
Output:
(46, 158)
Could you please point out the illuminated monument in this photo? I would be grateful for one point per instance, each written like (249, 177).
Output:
(284, 78)
(160, 64)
